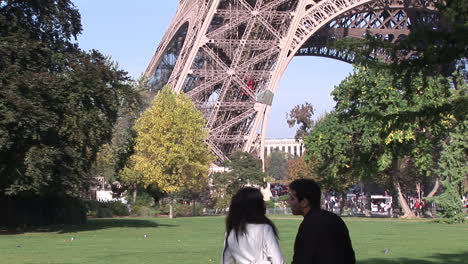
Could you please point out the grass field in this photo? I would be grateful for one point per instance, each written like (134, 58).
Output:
(200, 239)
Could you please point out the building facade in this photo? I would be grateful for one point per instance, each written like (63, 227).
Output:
(287, 145)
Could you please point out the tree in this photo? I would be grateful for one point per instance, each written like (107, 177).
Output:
(438, 55)
(242, 169)
(301, 115)
(277, 165)
(58, 104)
(114, 157)
(332, 147)
(299, 169)
(453, 168)
(170, 150)
(382, 125)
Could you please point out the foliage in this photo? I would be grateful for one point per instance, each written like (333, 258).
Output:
(331, 146)
(143, 211)
(397, 117)
(430, 96)
(113, 158)
(301, 115)
(435, 46)
(277, 164)
(103, 166)
(243, 169)
(453, 169)
(170, 150)
(300, 169)
(23, 212)
(143, 198)
(102, 209)
(381, 120)
(58, 104)
(185, 210)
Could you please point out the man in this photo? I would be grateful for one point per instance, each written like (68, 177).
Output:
(322, 236)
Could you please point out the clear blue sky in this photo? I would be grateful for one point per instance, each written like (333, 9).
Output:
(130, 31)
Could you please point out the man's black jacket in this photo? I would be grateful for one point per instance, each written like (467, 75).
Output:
(323, 238)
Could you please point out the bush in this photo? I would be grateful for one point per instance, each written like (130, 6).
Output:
(106, 209)
(145, 211)
(118, 208)
(270, 203)
(183, 210)
(103, 212)
(143, 198)
(41, 211)
(161, 210)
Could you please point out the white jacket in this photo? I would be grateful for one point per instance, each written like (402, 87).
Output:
(248, 247)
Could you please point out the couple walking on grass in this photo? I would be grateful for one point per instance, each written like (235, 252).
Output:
(252, 238)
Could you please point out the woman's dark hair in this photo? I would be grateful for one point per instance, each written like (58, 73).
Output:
(247, 206)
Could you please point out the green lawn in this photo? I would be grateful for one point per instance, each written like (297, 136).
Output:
(200, 239)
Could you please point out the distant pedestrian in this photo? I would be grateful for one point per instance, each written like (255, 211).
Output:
(322, 236)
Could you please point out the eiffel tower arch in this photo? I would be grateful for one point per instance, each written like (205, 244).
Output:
(229, 55)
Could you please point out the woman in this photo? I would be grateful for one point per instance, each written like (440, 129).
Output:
(250, 236)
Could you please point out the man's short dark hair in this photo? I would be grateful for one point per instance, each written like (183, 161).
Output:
(307, 189)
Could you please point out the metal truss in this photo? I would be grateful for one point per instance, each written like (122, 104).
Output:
(228, 55)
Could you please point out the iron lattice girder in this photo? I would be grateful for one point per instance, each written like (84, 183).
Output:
(326, 9)
(233, 121)
(236, 51)
(326, 52)
(389, 22)
(230, 14)
(229, 139)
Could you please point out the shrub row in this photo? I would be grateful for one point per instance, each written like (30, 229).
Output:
(41, 211)
(106, 209)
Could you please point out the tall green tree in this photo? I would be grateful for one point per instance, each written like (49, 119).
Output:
(277, 165)
(242, 169)
(453, 169)
(114, 157)
(381, 128)
(439, 51)
(58, 104)
(331, 145)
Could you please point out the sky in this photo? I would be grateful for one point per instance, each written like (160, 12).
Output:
(130, 31)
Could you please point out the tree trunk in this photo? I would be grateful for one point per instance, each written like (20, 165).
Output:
(396, 170)
(434, 189)
(135, 192)
(343, 202)
(194, 207)
(429, 207)
(171, 208)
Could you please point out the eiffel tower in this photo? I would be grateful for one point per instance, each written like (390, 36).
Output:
(229, 55)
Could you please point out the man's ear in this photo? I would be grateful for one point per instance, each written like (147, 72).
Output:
(304, 203)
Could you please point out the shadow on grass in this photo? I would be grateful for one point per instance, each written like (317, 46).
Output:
(91, 225)
(461, 258)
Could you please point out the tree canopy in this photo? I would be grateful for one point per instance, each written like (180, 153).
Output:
(393, 116)
(58, 104)
(301, 115)
(298, 168)
(170, 149)
(277, 165)
(242, 169)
